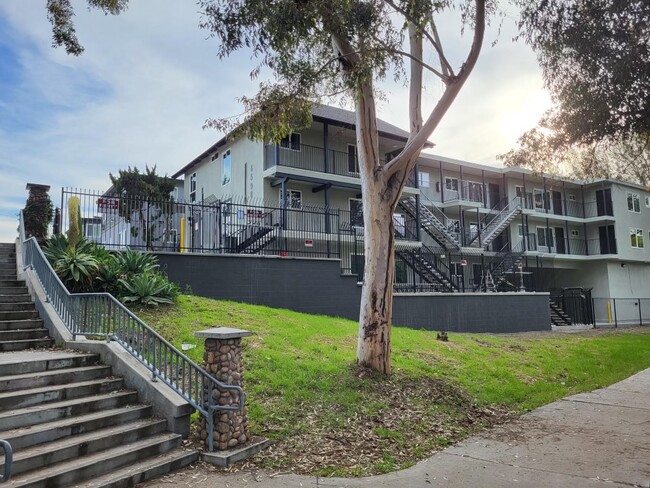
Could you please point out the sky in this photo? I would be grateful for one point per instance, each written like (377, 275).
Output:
(149, 78)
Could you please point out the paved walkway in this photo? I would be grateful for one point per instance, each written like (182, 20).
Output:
(597, 439)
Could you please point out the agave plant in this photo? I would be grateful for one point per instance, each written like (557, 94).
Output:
(55, 248)
(136, 263)
(76, 268)
(149, 289)
(109, 274)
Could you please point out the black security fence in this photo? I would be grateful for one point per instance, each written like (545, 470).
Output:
(620, 312)
(576, 303)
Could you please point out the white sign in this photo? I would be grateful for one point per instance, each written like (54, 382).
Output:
(463, 262)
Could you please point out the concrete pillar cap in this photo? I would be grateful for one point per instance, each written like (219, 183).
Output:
(222, 333)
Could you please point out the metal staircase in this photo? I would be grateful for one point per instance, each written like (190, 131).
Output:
(432, 221)
(503, 266)
(430, 268)
(255, 239)
(494, 223)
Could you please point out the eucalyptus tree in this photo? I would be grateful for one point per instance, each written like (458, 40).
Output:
(319, 47)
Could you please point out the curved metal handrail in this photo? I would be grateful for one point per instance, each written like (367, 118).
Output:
(9, 459)
(102, 315)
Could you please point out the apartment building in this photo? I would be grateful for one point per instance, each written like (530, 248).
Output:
(460, 226)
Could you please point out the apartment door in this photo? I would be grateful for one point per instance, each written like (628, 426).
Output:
(607, 239)
(495, 195)
(560, 243)
(557, 203)
(540, 199)
(546, 239)
(604, 202)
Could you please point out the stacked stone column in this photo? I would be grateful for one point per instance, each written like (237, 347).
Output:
(223, 360)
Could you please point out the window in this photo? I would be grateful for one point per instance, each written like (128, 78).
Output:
(423, 179)
(193, 188)
(519, 191)
(633, 202)
(227, 168)
(636, 238)
(400, 225)
(453, 225)
(356, 212)
(214, 157)
(451, 183)
(647, 202)
(294, 198)
(575, 233)
(353, 160)
(93, 231)
(520, 230)
(291, 142)
(572, 198)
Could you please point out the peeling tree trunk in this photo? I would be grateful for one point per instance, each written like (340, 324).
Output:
(379, 199)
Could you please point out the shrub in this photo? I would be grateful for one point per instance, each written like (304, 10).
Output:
(149, 289)
(77, 268)
(38, 211)
(135, 263)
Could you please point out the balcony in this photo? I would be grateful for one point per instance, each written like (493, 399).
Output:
(574, 247)
(549, 204)
(318, 160)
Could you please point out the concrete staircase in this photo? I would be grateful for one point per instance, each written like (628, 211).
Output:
(69, 421)
(20, 325)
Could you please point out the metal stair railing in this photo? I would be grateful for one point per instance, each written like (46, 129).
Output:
(423, 256)
(491, 222)
(438, 219)
(102, 315)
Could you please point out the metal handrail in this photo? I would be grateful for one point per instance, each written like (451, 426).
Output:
(441, 217)
(9, 460)
(102, 315)
(490, 218)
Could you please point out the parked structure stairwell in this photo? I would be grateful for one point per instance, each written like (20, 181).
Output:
(254, 239)
(496, 222)
(433, 221)
(429, 268)
(67, 418)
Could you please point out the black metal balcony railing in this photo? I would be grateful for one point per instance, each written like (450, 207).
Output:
(569, 208)
(577, 247)
(312, 158)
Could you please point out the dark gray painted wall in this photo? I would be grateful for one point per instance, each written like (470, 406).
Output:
(316, 286)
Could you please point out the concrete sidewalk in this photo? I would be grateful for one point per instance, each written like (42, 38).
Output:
(597, 439)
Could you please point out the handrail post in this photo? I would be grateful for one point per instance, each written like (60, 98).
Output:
(9, 459)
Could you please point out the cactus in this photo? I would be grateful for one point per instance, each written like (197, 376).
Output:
(74, 216)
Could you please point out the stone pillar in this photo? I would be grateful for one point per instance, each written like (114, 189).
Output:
(222, 358)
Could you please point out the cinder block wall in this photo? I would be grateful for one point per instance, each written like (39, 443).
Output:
(316, 286)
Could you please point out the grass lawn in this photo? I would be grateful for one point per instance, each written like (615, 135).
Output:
(328, 417)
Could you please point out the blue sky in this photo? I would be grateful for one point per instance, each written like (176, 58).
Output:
(149, 78)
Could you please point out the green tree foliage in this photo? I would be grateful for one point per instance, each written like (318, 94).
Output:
(37, 213)
(595, 57)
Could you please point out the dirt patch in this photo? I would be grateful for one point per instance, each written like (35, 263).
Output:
(412, 419)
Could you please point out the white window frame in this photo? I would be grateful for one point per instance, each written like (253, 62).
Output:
(193, 188)
(289, 193)
(350, 200)
(91, 235)
(634, 238)
(636, 198)
(424, 179)
(451, 179)
(572, 198)
(480, 186)
(289, 144)
(647, 202)
(574, 233)
(520, 230)
(225, 155)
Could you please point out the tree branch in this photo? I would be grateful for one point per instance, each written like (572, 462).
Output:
(444, 64)
(417, 142)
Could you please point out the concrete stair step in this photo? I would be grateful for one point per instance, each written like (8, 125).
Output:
(12, 283)
(147, 469)
(23, 438)
(21, 345)
(15, 364)
(13, 290)
(15, 298)
(59, 376)
(97, 464)
(76, 446)
(21, 324)
(49, 412)
(17, 307)
(8, 275)
(23, 334)
(56, 393)
(18, 315)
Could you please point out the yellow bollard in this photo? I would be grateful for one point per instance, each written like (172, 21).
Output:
(182, 234)
(609, 312)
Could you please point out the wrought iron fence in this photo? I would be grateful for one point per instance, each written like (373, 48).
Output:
(101, 315)
(618, 312)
